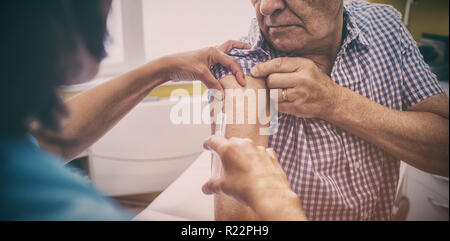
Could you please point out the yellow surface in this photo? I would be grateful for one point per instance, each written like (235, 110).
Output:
(426, 16)
(165, 91)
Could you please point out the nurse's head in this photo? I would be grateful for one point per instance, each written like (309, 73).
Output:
(43, 45)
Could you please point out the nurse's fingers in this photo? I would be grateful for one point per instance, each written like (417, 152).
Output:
(273, 156)
(271, 153)
(219, 57)
(211, 82)
(261, 149)
(212, 187)
(233, 44)
(217, 144)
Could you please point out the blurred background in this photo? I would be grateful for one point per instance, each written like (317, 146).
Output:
(427, 20)
(146, 145)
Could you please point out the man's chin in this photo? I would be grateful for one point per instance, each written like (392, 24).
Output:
(286, 46)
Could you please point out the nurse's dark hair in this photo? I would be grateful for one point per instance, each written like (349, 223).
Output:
(39, 43)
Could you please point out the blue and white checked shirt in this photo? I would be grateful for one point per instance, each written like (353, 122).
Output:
(337, 175)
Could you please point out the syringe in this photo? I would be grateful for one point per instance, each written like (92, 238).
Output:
(216, 162)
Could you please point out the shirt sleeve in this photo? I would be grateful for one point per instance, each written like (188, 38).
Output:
(246, 59)
(419, 82)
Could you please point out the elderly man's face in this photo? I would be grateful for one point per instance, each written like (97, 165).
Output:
(302, 26)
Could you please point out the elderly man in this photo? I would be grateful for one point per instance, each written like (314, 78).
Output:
(355, 97)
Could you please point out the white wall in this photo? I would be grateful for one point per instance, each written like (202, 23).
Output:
(172, 26)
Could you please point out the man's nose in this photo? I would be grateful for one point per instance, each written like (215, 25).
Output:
(271, 7)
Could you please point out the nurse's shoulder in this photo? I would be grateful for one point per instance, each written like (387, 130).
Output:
(36, 185)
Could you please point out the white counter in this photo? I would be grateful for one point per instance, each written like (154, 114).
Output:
(183, 199)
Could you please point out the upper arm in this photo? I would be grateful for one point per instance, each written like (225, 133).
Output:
(420, 88)
(243, 111)
(227, 208)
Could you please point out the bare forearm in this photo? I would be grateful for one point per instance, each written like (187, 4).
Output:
(418, 138)
(225, 207)
(95, 112)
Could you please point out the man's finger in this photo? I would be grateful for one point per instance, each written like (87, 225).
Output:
(281, 81)
(212, 187)
(286, 108)
(278, 65)
(231, 64)
(286, 97)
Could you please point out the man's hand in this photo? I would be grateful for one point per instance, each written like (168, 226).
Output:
(196, 65)
(303, 89)
(418, 136)
(253, 176)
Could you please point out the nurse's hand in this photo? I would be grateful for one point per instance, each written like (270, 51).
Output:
(197, 65)
(253, 176)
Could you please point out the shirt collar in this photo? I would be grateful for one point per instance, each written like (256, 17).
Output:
(255, 36)
(257, 41)
(357, 31)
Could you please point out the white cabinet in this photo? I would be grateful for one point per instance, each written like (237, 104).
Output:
(145, 152)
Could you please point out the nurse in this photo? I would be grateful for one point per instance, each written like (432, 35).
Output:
(45, 45)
